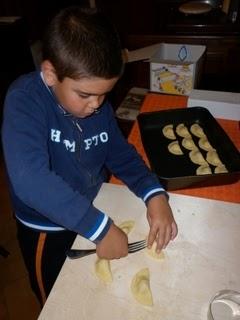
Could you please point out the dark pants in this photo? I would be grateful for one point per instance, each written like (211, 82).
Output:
(44, 254)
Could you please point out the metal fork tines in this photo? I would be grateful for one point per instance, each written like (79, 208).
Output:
(136, 246)
(79, 253)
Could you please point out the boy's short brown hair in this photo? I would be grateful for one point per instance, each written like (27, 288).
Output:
(83, 43)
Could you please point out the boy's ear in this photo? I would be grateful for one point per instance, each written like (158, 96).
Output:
(49, 73)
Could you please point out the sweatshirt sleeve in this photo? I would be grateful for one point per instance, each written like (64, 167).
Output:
(127, 165)
(25, 136)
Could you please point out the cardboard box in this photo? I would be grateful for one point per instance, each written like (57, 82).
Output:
(176, 68)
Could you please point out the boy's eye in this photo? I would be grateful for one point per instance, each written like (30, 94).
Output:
(83, 96)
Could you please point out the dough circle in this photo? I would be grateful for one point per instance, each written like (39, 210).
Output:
(174, 148)
(182, 131)
(197, 130)
(197, 158)
(168, 132)
(140, 287)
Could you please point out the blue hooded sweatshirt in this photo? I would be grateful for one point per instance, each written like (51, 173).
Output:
(56, 162)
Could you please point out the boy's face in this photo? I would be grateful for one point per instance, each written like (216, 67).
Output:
(79, 97)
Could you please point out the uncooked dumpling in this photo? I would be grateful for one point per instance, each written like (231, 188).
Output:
(168, 132)
(152, 252)
(189, 144)
(174, 148)
(127, 226)
(220, 169)
(213, 158)
(103, 270)
(103, 266)
(197, 130)
(182, 131)
(204, 169)
(205, 144)
(197, 157)
(140, 287)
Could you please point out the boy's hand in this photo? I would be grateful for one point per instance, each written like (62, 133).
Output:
(114, 245)
(163, 227)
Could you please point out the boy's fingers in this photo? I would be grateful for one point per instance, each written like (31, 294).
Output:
(168, 235)
(162, 236)
(174, 231)
(152, 236)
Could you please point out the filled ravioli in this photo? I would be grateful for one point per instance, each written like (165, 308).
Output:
(103, 270)
(127, 226)
(168, 132)
(140, 287)
(174, 148)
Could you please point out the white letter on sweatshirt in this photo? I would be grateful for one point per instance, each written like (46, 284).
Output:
(69, 146)
(88, 143)
(104, 136)
(55, 135)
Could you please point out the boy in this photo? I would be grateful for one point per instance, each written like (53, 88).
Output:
(60, 139)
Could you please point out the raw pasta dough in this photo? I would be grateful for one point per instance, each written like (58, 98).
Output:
(182, 131)
(174, 148)
(197, 157)
(140, 287)
(103, 266)
(220, 169)
(197, 130)
(189, 144)
(204, 169)
(103, 270)
(205, 144)
(127, 226)
(152, 252)
(168, 132)
(213, 158)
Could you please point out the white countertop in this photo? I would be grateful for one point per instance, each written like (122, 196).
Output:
(201, 261)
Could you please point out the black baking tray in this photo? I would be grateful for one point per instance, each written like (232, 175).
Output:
(178, 172)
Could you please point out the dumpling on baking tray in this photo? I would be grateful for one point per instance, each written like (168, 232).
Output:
(220, 169)
(168, 132)
(174, 148)
(203, 169)
(197, 158)
(189, 144)
(205, 144)
(213, 158)
(182, 131)
(197, 130)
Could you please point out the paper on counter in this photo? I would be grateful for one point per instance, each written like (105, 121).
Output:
(222, 105)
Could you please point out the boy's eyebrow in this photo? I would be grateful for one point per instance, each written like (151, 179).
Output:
(89, 93)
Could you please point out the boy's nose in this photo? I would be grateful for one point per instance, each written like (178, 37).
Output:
(94, 103)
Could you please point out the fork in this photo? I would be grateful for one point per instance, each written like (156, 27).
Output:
(79, 253)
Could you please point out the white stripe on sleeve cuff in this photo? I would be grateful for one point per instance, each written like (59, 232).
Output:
(100, 228)
(151, 192)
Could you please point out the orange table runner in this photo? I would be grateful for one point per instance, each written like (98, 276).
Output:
(155, 102)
